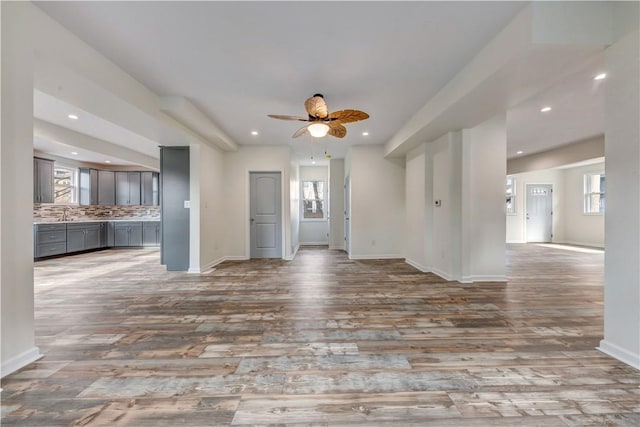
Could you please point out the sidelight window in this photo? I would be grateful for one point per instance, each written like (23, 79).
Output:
(511, 196)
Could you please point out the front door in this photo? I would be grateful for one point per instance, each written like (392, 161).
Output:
(266, 215)
(539, 212)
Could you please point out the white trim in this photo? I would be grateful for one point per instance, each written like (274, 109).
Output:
(293, 255)
(418, 266)
(617, 352)
(484, 278)
(515, 241)
(383, 256)
(325, 243)
(336, 248)
(443, 275)
(20, 361)
(206, 267)
(589, 244)
(236, 258)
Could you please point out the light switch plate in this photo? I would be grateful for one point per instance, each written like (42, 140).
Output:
(187, 204)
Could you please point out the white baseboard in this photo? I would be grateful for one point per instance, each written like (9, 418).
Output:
(515, 241)
(418, 266)
(314, 244)
(617, 352)
(20, 361)
(484, 278)
(208, 266)
(446, 276)
(588, 244)
(383, 256)
(236, 258)
(337, 247)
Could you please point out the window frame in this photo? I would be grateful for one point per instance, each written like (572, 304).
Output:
(588, 194)
(73, 186)
(323, 198)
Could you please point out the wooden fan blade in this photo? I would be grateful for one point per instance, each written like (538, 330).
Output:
(281, 117)
(316, 107)
(348, 116)
(336, 129)
(301, 131)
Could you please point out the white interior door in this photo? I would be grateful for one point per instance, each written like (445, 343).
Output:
(266, 215)
(347, 215)
(539, 212)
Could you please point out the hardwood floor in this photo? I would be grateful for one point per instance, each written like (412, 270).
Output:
(321, 340)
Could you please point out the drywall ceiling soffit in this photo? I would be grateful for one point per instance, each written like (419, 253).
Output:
(190, 116)
(511, 71)
(239, 61)
(61, 141)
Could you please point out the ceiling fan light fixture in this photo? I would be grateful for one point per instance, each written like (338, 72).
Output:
(318, 130)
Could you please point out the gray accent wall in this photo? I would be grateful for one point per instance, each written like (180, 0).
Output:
(174, 191)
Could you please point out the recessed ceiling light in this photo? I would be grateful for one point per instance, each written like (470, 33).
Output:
(254, 132)
(600, 76)
(519, 152)
(365, 133)
(545, 109)
(107, 161)
(73, 117)
(75, 153)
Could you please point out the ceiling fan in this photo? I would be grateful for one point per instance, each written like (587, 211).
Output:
(321, 122)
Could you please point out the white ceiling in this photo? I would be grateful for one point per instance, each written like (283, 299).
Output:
(239, 61)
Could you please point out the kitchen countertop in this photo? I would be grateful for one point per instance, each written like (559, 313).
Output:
(99, 220)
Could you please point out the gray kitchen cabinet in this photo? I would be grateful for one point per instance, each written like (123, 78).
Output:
(43, 190)
(104, 235)
(151, 233)
(88, 187)
(106, 188)
(149, 188)
(127, 188)
(49, 239)
(127, 234)
(82, 237)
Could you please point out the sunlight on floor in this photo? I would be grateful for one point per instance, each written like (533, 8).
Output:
(582, 249)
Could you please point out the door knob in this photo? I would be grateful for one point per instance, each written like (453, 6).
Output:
(252, 220)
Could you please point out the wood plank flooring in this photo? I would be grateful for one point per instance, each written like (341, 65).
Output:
(321, 340)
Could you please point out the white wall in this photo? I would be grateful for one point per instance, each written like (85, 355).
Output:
(207, 217)
(377, 204)
(445, 247)
(622, 220)
(314, 231)
(580, 228)
(16, 201)
(336, 204)
(237, 165)
(416, 208)
(515, 224)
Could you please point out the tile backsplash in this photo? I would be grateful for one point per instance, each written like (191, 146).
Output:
(44, 212)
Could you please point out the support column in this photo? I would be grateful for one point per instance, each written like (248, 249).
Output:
(16, 189)
(622, 224)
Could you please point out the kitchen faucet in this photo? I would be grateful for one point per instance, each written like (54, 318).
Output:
(65, 211)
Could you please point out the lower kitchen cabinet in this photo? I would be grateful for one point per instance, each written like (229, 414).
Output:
(128, 234)
(83, 236)
(49, 239)
(151, 233)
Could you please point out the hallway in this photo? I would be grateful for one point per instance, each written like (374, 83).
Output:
(321, 339)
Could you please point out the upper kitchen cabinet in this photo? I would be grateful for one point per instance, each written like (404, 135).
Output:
(88, 194)
(106, 188)
(43, 191)
(150, 185)
(127, 188)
